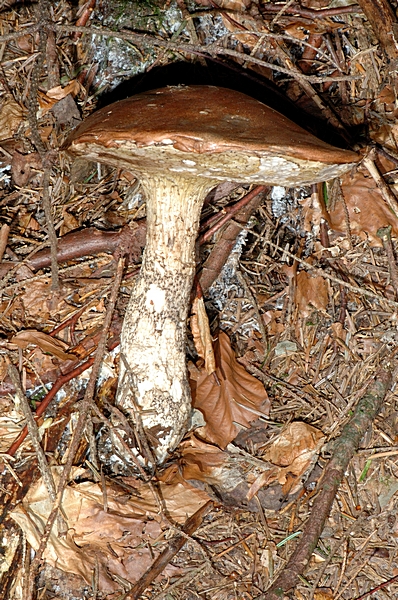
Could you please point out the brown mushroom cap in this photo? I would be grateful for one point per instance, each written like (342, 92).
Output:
(177, 127)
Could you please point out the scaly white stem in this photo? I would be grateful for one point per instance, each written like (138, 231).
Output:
(153, 341)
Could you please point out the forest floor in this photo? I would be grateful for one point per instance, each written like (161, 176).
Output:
(287, 485)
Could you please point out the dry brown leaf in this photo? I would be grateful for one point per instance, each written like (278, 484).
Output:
(239, 397)
(11, 423)
(59, 92)
(296, 440)
(47, 101)
(44, 341)
(200, 460)
(366, 209)
(11, 115)
(116, 540)
(24, 167)
(311, 292)
(291, 456)
(323, 594)
(201, 334)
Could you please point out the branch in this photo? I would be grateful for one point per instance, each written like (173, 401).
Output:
(345, 447)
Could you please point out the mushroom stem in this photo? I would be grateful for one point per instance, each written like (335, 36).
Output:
(153, 375)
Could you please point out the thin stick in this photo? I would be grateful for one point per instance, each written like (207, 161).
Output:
(33, 431)
(175, 545)
(85, 408)
(346, 445)
(210, 50)
(322, 273)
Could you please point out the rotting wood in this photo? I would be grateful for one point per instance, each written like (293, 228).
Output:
(346, 445)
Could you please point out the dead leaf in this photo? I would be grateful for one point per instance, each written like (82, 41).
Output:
(44, 341)
(48, 100)
(311, 292)
(366, 209)
(291, 456)
(116, 541)
(295, 441)
(24, 167)
(11, 423)
(323, 594)
(200, 461)
(59, 92)
(239, 397)
(11, 115)
(201, 334)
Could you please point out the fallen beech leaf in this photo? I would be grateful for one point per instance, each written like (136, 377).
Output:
(44, 341)
(311, 292)
(366, 208)
(200, 460)
(59, 92)
(240, 398)
(24, 167)
(115, 541)
(11, 115)
(290, 458)
(297, 439)
(201, 334)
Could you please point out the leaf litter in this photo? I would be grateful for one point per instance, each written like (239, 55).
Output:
(261, 441)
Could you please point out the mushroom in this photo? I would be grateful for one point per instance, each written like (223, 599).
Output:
(181, 142)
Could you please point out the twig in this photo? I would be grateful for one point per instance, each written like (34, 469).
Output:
(175, 545)
(84, 17)
(232, 211)
(345, 447)
(385, 190)
(33, 431)
(222, 249)
(384, 23)
(377, 588)
(52, 236)
(211, 50)
(85, 407)
(310, 13)
(322, 273)
(384, 233)
(128, 241)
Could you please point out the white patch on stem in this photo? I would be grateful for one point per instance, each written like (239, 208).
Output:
(155, 298)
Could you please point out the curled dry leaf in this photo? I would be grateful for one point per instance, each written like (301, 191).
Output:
(48, 100)
(366, 208)
(11, 422)
(201, 334)
(59, 92)
(292, 455)
(237, 397)
(11, 115)
(117, 540)
(200, 460)
(44, 341)
(296, 440)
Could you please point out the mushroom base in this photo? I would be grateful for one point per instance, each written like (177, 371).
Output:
(153, 383)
